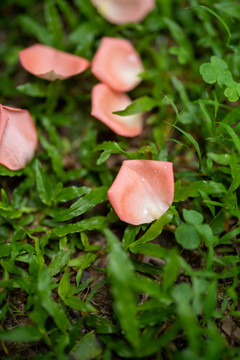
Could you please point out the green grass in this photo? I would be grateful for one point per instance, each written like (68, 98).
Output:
(76, 282)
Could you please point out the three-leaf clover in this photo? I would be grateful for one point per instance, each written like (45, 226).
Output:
(217, 71)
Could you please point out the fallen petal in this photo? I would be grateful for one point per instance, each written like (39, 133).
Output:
(51, 64)
(106, 101)
(117, 64)
(124, 11)
(142, 190)
(18, 137)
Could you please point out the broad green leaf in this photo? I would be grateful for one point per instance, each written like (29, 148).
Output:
(154, 230)
(21, 334)
(192, 190)
(43, 185)
(71, 192)
(5, 250)
(222, 159)
(64, 285)
(94, 223)
(150, 250)
(87, 348)
(86, 245)
(9, 266)
(170, 271)
(139, 105)
(8, 212)
(103, 157)
(207, 201)
(100, 324)
(205, 232)
(6, 172)
(109, 147)
(34, 90)
(182, 293)
(146, 268)
(187, 236)
(192, 217)
(129, 235)
(77, 304)
(85, 203)
(83, 261)
(227, 238)
(26, 283)
(59, 261)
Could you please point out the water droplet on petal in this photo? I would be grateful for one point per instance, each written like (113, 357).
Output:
(165, 167)
(142, 179)
(155, 171)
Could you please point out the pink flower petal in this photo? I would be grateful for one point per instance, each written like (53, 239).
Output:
(142, 190)
(124, 11)
(51, 64)
(18, 137)
(3, 121)
(105, 101)
(117, 64)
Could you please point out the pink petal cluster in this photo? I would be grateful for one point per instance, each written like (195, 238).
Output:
(124, 11)
(142, 191)
(18, 137)
(51, 64)
(117, 64)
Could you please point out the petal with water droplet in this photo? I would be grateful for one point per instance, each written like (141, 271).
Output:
(136, 201)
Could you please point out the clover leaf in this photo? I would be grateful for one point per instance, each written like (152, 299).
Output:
(233, 93)
(217, 71)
